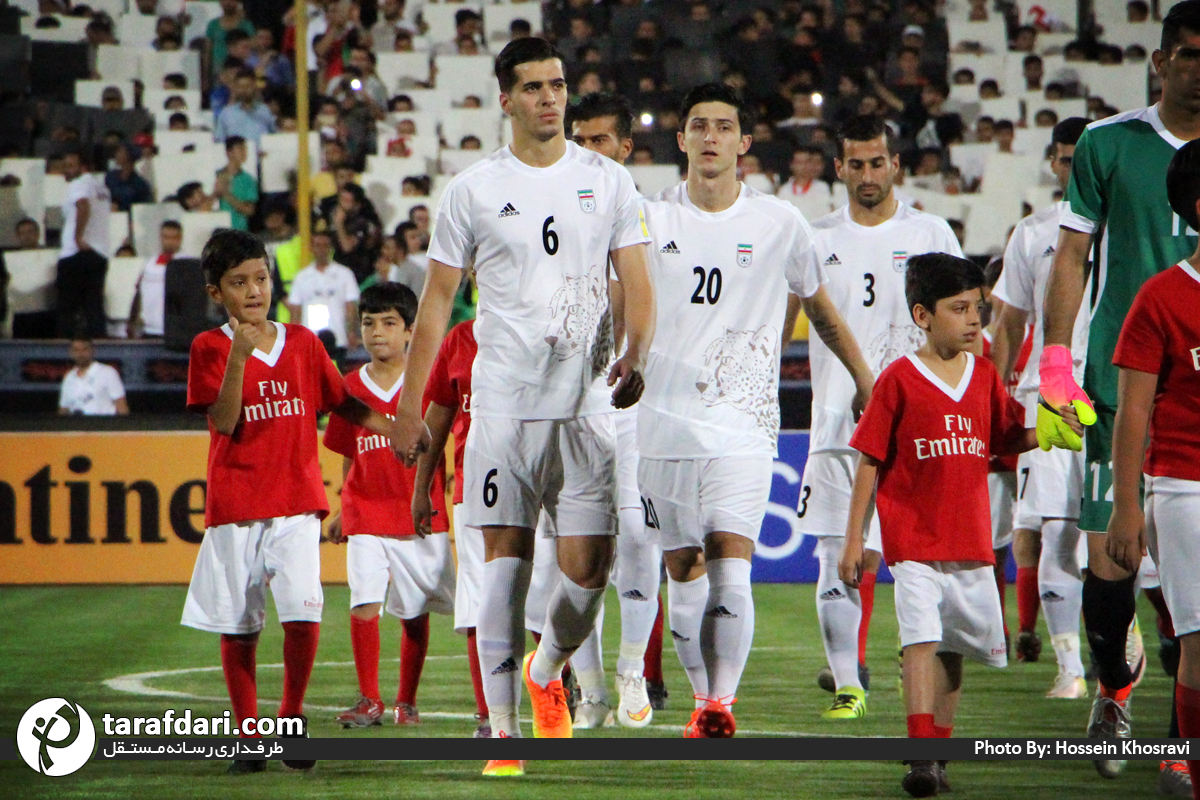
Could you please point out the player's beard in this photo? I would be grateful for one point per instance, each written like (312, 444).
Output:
(885, 189)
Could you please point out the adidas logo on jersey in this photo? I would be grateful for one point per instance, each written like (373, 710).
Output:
(509, 665)
(1049, 251)
(833, 261)
(833, 594)
(720, 612)
(670, 247)
(633, 594)
(679, 638)
(1051, 597)
(508, 211)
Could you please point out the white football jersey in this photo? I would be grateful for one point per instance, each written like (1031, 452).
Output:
(721, 282)
(540, 240)
(863, 270)
(1022, 284)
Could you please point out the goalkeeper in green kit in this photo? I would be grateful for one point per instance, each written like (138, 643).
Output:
(1119, 217)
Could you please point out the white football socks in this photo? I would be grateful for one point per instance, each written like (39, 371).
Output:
(685, 609)
(839, 612)
(545, 578)
(501, 640)
(639, 559)
(1060, 584)
(571, 617)
(727, 630)
(588, 661)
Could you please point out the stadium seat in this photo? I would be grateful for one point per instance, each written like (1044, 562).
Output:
(992, 35)
(394, 170)
(990, 65)
(1032, 141)
(1053, 43)
(988, 222)
(114, 8)
(1076, 107)
(118, 231)
(426, 122)
(32, 174)
(392, 206)
(970, 158)
(481, 122)
(280, 155)
(154, 100)
(1005, 107)
(201, 14)
(455, 161)
(1123, 34)
(31, 280)
(1123, 86)
(459, 76)
(70, 29)
(420, 146)
(440, 19)
(88, 93)
(651, 180)
(116, 62)
(498, 18)
(199, 165)
(400, 71)
(197, 227)
(171, 143)
(429, 101)
(136, 30)
(153, 65)
(120, 285)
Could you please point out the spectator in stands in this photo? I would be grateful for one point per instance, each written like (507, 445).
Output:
(83, 262)
(1046, 118)
(147, 313)
(100, 31)
(284, 250)
(387, 25)
(232, 18)
(178, 122)
(643, 156)
(222, 92)
(753, 176)
(147, 7)
(1135, 52)
(387, 264)
(191, 197)
(408, 236)
(466, 23)
(124, 184)
(1137, 11)
(518, 29)
(470, 142)
(989, 90)
(326, 183)
(1110, 55)
(112, 99)
(235, 189)
(805, 189)
(29, 235)
(1032, 70)
(356, 230)
(985, 130)
(1025, 40)
(324, 295)
(1005, 133)
(369, 87)
(403, 43)
(167, 43)
(415, 186)
(339, 29)
(240, 45)
(805, 112)
(273, 67)
(247, 116)
(90, 388)
(419, 215)
(401, 103)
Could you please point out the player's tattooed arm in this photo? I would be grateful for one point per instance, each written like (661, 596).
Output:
(1064, 290)
(359, 413)
(438, 419)
(633, 272)
(835, 333)
(226, 412)
(862, 501)
(409, 435)
(1126, 540)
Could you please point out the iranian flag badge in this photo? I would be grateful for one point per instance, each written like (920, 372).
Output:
(587, 200)
(745, 254)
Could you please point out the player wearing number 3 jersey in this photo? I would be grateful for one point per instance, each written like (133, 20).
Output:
(540, 219)
(724, 258)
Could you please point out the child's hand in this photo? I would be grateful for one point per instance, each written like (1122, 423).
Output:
(1072, 419)
(422, 514)
(1126, 539)
(245, 338)
(850, 566)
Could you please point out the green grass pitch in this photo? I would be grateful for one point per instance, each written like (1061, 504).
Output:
(68, 641)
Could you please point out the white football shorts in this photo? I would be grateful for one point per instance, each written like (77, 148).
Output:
(468, 588)
(515, 468)
(688, 499)
(235, 564)
(628, 495)
(1173, 539)
(414, 576)
(825, 491)
(939, 601)
(1049, 485)
(1002, 492)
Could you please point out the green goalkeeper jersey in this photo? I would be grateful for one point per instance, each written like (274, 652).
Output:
(1118, 191)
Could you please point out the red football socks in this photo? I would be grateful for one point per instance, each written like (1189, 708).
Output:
(1162, 614)
(1119, 695)
(942, 733)
(1028, 600)
(476, 674)
(414, 644)
(364, 640)
(238, 664)
(1187, 705)
(652, 661)
(299, 652)
(920, 726)
(866, 596)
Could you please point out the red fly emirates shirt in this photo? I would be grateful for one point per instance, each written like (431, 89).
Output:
(268, 468)
(450, 387)
(1161, 336)
(933, 443)
(377, 493)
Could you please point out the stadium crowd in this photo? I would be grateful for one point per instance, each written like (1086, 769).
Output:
(182, 112)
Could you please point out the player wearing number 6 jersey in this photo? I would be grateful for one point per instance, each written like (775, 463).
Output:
(724, 258)
(862, 252)
(540, 218)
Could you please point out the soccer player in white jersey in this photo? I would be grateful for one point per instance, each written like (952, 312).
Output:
(724, 258)
(862, 250)
(603, 123)
(541, 218)
(1050, 484)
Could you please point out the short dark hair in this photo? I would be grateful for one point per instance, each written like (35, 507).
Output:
(717, 93)
(235, 36)
(355, 191)
(602, 104)
(177, 80)
(233, 141)
(864, 128)
(521, 51)
(991, 273)
(178, 116)
(1182, 16)
(403, 228)
(936, 276)
(1183, 183)
(26, 221)
(173, 224)
(389, 296)
(225, 250)
(1032, 58)
(1068, 130)
(1004, 125)
(328, 234)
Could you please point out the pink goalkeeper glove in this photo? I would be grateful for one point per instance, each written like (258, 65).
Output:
(1058, 387)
